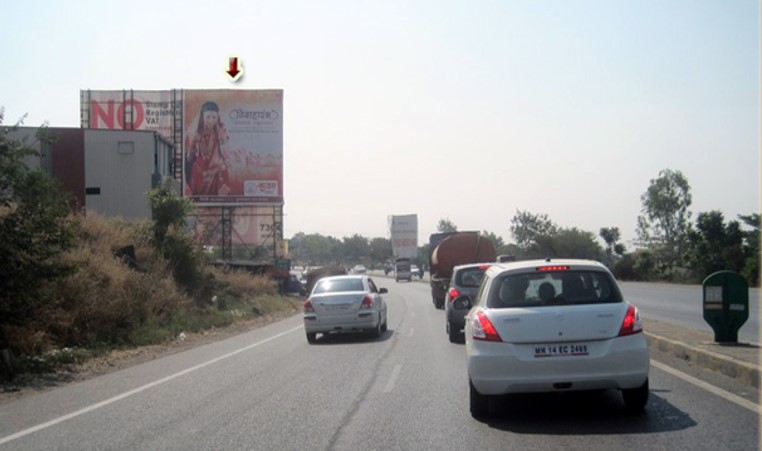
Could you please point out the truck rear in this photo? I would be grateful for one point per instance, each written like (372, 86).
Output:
(451, 249)
(402, 269)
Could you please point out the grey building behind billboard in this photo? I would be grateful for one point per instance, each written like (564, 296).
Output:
(106, 171)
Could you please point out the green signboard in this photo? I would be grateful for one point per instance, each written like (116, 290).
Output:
(726, 304)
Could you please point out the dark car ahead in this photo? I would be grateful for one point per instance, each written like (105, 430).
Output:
(465, 281)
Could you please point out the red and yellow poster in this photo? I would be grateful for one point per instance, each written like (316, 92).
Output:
(233, 146)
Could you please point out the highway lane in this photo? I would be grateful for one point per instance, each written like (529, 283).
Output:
(682, 305)
(269, 389)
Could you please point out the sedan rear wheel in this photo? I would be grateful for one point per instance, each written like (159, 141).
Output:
(453, 332)
(478, 403)
(311, 337)
(635, 399)
(379, 328)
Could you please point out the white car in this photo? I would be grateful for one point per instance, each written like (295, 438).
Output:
(345, 304)
(553, 326)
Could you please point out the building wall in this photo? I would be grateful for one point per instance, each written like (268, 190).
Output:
(106, 171)
(62, 157)
(67, 165)
(118, 172)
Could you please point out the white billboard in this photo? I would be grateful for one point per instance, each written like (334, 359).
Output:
(403, 233)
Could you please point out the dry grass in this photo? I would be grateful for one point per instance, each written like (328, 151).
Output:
(107, 305)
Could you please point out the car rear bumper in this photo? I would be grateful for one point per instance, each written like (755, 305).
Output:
(500, 368)
(357, 323)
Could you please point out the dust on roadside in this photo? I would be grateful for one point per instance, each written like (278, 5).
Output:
(29, 384)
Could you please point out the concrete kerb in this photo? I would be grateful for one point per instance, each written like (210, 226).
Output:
(741, 371)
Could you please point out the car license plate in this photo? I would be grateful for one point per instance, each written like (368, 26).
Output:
(560, 350)
(331, 308)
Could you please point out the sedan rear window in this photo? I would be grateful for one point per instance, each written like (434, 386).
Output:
(553, 288)
(470, 277)
(338, 285)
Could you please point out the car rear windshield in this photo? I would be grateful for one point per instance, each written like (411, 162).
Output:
(338, 285)
(469, 277)
(553, 288)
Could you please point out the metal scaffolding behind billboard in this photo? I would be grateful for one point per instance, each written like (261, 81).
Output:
(239, 233)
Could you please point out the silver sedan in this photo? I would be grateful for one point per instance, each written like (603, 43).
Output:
(345, 304)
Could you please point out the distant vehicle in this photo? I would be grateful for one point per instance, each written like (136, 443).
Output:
(553, 326)
(359, 269)
(314, 274)
(402, 269)
(416, 271)
(504, 258)
(388, 267)
(345, 304)
(294, 285)
(465, 281)
(450, 249)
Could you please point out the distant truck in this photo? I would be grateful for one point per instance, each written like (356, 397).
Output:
(450, 249)
(402, 269)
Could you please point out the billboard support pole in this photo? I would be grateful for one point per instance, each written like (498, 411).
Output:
(227, 236)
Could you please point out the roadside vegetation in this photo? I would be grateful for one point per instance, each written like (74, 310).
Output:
(73, 286)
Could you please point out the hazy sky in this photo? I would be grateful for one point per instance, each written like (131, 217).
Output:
(468, 110)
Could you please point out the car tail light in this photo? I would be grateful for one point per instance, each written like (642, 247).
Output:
(454, 293)
(631, 323)
(367, 302)
(308, 307)
(482, 328)
(484, 267)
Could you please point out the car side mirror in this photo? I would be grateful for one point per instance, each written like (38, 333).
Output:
(462, 303)
(383, 290)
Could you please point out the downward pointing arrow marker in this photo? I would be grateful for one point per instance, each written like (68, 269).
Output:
(233, 70)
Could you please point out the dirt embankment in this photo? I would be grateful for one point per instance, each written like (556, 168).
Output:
(26, 385)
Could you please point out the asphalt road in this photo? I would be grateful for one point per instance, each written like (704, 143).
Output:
(269, 389)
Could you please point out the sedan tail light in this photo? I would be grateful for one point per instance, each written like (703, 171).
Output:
(308, 307)
(631, 323)
(482, 328)
(367, 302)
(454, 293)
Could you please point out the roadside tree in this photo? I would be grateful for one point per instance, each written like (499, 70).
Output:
(445, 226)
(34, 232)
(664, 223)
(714, 245)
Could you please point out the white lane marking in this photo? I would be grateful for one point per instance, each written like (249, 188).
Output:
(135, 391)
(708, 387)
(393, 378)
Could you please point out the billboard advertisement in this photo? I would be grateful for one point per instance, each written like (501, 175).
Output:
(128, 110)
(233, 146)
(403, 233)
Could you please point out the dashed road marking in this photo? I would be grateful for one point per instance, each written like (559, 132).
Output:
(393, 378)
